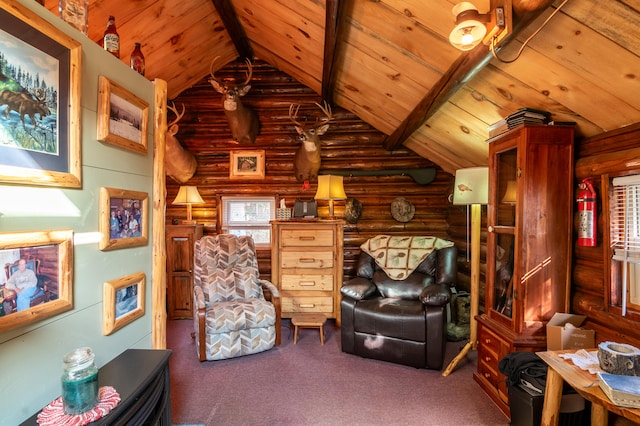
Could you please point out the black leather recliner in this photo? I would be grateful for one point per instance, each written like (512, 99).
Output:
(400, 321)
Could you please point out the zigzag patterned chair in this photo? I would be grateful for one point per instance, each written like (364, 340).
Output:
(236, 312)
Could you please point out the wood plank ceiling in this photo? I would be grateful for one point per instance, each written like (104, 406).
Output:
(390, 61)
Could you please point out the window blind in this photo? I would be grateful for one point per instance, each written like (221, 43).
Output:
(625, 229)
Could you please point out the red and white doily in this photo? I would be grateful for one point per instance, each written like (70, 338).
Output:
(53, 414)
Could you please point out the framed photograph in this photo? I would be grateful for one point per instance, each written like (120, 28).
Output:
(40, 90)
(246, 164)
(123, 302)
(124, 218)
(122, 117)
(36, 276)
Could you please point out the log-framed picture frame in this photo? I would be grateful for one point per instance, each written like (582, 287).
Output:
(246, 164)
(124, 218)
(123, 117)
(43, 256)
(42, 146)
(123, 301)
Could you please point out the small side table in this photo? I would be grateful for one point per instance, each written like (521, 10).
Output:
(308, 321)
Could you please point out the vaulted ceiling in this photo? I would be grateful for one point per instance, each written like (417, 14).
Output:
(390, 61)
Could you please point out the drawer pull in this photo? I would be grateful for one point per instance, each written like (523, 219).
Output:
(307, 305)
(307, 260)
(306, 237)
(487, 358)
(308, 283)
(487, 341)
(487, 375)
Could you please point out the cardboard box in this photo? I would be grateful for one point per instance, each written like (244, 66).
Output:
(561, 337)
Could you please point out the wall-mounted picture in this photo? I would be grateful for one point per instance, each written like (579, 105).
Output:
(39, 101)
(35, 276)
(122, 117)
(124, 218)
(123, 302)
(246, 164)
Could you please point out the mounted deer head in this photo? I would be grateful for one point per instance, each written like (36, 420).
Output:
(307, 161)
(242, 119)
(180, 164)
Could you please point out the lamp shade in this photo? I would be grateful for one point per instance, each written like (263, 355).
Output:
(471, 186)
(188, 195)
(330, 188)
(510, 193)
(469, 30)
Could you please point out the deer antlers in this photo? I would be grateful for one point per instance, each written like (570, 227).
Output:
(248, 73)
(175, 111)
(326, 109)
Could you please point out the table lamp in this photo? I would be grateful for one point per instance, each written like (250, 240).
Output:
(330, 188)
(471, 188)
(188, 195)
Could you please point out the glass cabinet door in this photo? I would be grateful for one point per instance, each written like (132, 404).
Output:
(505, 183)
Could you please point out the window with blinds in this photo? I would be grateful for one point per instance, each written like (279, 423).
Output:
(249, 216)
(625, 236)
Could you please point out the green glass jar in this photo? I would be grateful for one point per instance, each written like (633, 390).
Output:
(79, 381)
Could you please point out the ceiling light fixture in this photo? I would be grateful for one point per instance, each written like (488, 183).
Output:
(473, 27)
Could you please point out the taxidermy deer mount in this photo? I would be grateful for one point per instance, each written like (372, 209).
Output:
(242, 119)
(307, 161)
(180, 164)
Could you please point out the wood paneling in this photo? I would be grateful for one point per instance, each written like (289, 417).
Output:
(349, 145)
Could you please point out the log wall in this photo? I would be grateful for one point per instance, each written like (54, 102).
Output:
(349, 145)
(611, 154)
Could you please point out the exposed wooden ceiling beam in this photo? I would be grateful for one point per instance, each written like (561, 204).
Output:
(234, 28)
(464, 69)
(334, 10)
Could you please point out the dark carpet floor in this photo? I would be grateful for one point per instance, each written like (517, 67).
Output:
(310, 384)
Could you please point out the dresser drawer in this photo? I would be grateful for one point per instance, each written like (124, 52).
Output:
(309, 259)
(306, 282)
(307, 304)
(488, 373)
(307, 238)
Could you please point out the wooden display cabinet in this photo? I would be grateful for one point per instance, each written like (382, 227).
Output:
(307, 266)
(180, 240)
(529, 242)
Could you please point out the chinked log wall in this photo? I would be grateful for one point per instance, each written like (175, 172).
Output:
(611, 154)
(349, 145)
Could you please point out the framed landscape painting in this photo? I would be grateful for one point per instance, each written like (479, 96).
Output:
(122, 117)
(40, 90)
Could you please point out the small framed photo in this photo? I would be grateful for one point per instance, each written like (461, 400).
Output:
(40, 136)
(122, 117)
(123, 301)
(246, 164)
(36, 280)
(124, 218)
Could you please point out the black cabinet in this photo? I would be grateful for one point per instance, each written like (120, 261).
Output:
(141, 377)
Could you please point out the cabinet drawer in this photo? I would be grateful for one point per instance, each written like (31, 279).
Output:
(490, 342)
(319, 259)
(306, 282)
(307, 238)
(307, 304)
(488, 373)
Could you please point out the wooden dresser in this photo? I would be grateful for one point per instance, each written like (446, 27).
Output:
(307, 266)
(180, 240)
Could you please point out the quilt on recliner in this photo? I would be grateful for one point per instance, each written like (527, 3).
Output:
(399, 256)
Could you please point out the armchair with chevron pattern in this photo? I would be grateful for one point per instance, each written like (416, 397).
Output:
(235, 312)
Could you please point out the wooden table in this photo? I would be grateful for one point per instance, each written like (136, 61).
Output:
(585, 383)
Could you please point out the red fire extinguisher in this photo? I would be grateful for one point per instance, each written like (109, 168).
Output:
(587, 215)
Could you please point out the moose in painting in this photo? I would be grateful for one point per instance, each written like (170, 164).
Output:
(307, 160)
(243, 120)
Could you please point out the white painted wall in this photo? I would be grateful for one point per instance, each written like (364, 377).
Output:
(31, 356)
